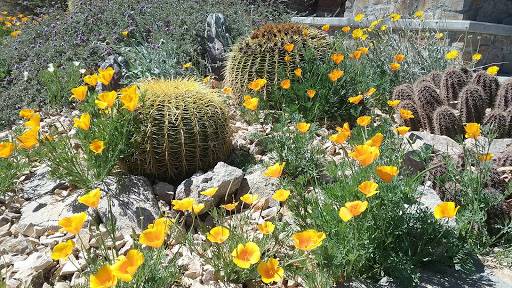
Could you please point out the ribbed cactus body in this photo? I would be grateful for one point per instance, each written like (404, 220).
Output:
(489, 84)
(504, 100)
(451, 84)
(414, 123)
(467, 73)
(420, 81)
(472, 104)
(262, 54)
(427, 100)
(498, 120)
(436, 77)
(403, 92)
(446, 122)
(184, 127)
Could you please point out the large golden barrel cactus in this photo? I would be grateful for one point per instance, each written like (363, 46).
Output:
(184, 127)
(262, 54)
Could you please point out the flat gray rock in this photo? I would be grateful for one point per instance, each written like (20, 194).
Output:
(40, 184)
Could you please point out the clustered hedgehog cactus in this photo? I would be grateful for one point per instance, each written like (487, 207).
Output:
(262, 54)
(433, 100)
(184, 127)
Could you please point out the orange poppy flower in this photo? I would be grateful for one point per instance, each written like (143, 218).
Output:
(386, 173)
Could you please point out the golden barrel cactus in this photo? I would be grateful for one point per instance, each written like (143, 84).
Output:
(183, 127)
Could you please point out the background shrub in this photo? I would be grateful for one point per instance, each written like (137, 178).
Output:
(161, 28)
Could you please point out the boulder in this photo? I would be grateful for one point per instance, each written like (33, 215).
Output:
(131, 200)
(120, 65)
(40, 184)
(164, 191)
(223, 176)
(265, 187)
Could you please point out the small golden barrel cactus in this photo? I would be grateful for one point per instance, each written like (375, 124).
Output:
(263, 53)
(184, 127)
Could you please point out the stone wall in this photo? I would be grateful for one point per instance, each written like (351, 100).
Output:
(491, 11)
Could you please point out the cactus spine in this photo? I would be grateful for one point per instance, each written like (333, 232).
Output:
(446, 122)
(262, 54)
(489, 84)
(420, 81)
(436, 77)
(184, 127)
(472, 104)
(498, 120)
(427, 101)
(451, 84)
(403, 92)
(504, 100)
(414, 123)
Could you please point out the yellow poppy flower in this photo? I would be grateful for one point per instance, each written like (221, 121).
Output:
(303, 127)
(84, 122)
(27, 113)
(187, 65)
(445, 210)
(63, 250)
(418, 14)
(97, 146)
(249, 198)
(230, 206)
(402, 130)
(357, 33)
(6, 149)
(370, 91)
(288, 47)
(394, 66)
(484, 157)
(365, 154)
(108, 97)
(91, 79)
(399, 57)
(335, 74)
(244, 256)
(386, 173)
(210, 192)
(73, 224)
(393, 103)
(266, 227)
(345, 29)
(472, 130)
(79, 93)
(103, 278)
(218, 235)
(307, 240)
(274, 171)
(206, 80)
(337, 58)
(269, 271)
(250, 103)
(35, 121)
(130, 101)
(376, 140)
(355, 99)
(105, 75)
(326, 27)
(358, 17)
(226, 90)
(406, 114)
(285, 84)
(28, 139)
(196, 208)
(126, 266)
(281, 195)
(125, 32)
(298, 72)
(364, 120)
(92, 199)
(368, 188)
(352, 209)
(183, 204)
(311, 93)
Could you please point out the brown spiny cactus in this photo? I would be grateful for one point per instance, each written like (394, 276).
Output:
(436, 77)
(452, 83)
(427, 100)
(489, 84)
(471, 104)
(504, 99)
(498, 121)
(447, 123)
